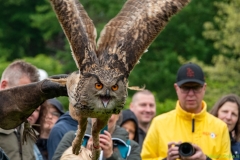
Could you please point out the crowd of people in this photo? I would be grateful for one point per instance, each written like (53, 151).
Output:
(135, 133)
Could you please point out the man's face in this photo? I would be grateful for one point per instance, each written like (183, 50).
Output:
(190, 96)
(144, 107)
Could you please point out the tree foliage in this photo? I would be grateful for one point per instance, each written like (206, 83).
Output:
(225, 29)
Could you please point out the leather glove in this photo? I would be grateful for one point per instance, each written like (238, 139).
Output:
(18, 103)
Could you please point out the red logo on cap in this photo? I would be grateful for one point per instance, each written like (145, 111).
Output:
(190, 72)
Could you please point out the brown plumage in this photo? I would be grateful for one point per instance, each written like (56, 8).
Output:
(99, 89)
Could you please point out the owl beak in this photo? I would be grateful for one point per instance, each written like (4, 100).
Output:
(105, 101)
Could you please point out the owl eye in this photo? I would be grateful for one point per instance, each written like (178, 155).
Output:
(115, 87)
(98, 86)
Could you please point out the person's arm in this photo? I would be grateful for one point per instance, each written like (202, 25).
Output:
(18, 103)
(64, 144)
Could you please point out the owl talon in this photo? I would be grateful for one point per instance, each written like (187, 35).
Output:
(95, 154)
(96, 147)
(76, 149)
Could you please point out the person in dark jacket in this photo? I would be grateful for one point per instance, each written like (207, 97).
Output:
(130, 123)
(227, 108)
(64, 124)
(50, 112)
(119, 148)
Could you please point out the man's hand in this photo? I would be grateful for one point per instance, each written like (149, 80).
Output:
(55, 86)
(173, 152)
(106, 144)
(18, 103)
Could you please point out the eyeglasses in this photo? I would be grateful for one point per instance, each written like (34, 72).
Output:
(55, 114)
(186, 89)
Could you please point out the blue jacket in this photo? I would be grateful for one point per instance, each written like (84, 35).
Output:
(235, 149)
(64, 124)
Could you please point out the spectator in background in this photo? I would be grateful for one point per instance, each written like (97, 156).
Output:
(130, 124)
(227, 109)
(64, 124)
(51, 110)
(143, 105)
(16, 74)
(188, 122)
(33, 120)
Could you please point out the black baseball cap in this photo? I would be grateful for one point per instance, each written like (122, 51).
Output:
(56, 103)
(190, 72)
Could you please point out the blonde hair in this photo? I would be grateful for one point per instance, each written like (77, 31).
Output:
(84, 154)
(144, 92)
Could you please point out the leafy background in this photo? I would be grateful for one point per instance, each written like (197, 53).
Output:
(205, 32)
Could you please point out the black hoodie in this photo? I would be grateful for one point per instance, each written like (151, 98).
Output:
(128, 115)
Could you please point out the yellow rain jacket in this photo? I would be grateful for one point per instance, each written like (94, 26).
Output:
(202, 129)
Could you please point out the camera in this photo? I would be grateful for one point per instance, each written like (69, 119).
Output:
(186, 149)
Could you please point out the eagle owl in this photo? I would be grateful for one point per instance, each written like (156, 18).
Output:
(99, 88)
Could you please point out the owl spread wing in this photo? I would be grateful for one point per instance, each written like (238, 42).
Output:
(79, 30)
(131, 32)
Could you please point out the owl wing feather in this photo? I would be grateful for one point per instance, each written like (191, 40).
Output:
(79, 30)
(131, 32)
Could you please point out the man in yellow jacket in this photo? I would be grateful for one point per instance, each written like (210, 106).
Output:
(188, 122)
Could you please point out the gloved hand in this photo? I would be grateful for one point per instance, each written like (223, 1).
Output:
(18, 103)
(54, 86)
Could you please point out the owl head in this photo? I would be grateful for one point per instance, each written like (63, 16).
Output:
(98, 92)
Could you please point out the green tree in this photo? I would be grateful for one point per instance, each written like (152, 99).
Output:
(225, 29)
(224, 75)
(17, 37)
